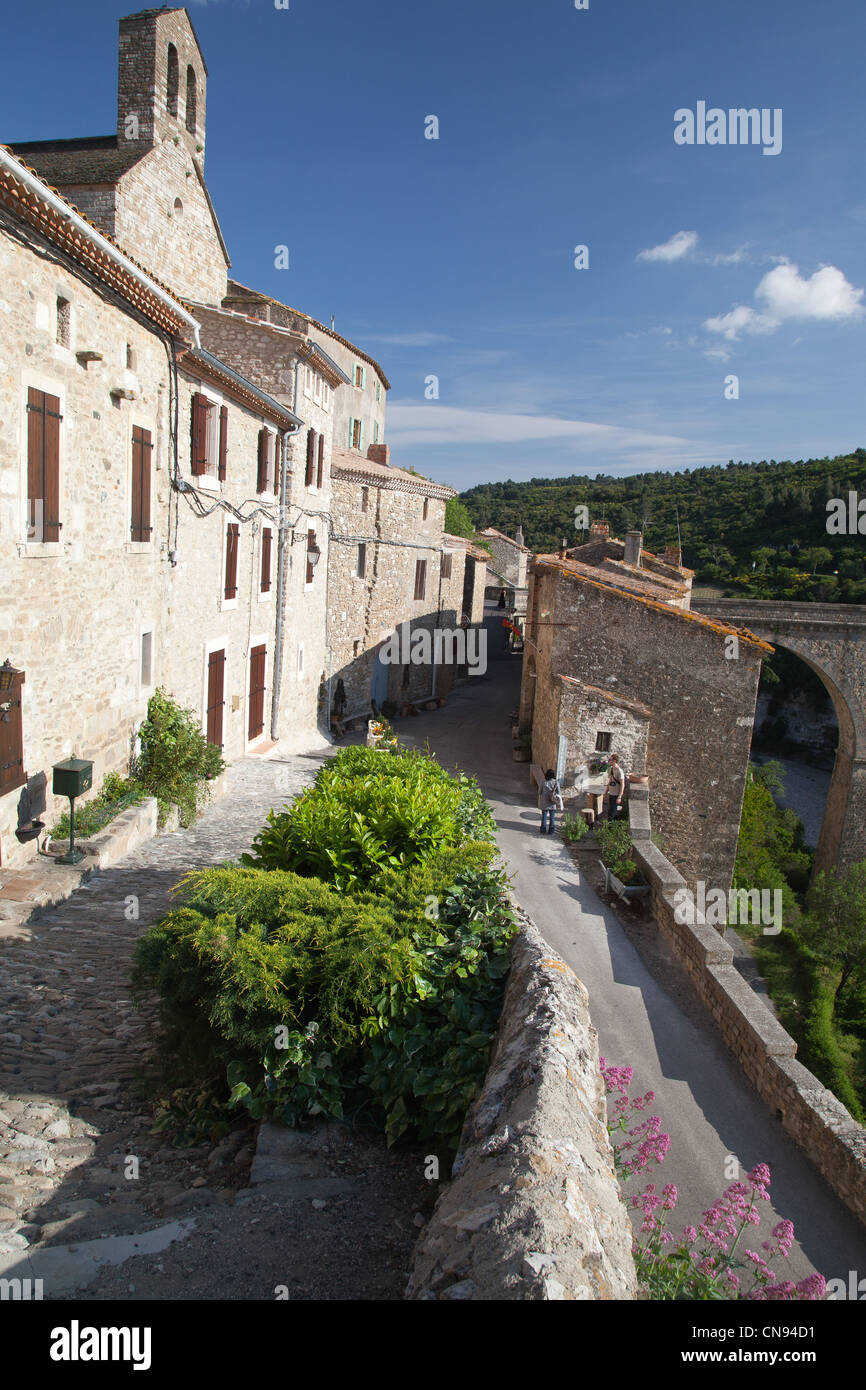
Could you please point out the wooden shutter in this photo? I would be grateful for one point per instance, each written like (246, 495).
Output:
(420, 578)
(446, 566)
(266, 559)
(216, 666)
(140, 511)
(262, 481)
(43, 464)
(321, 467)
(311, 457)
(362, 560)
(257, 692)
(224, 441)
(199, 433)
(311, 545)
(11, 740)
(232, 543)
(351, 433)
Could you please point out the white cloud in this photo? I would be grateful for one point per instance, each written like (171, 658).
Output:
(679, 245)
(784, 294)
(410, 423)
(420, 339)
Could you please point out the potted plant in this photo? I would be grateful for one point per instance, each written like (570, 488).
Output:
(621, 873)
(522, 748)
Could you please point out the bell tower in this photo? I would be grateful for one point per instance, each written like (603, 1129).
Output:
(161, 82)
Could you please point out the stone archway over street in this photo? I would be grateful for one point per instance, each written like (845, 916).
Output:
(831, 638)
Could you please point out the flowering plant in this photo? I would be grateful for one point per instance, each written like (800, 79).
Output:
(701, 1263)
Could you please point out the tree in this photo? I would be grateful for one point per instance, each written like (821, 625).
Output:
(458, 522)
(816, 555)
(835, 924)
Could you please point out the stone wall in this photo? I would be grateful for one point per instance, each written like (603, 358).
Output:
(674, 663)
(533, 1211)
(818, 1123)
(584, 713)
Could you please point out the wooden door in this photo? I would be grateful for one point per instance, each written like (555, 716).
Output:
(216, 670)
(257, 692)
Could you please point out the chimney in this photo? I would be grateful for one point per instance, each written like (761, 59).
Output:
(518, 536)
(633, 542)
(379, 453)
(599, 530)
(673, 555)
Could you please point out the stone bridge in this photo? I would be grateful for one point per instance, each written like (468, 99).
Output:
(831, 638)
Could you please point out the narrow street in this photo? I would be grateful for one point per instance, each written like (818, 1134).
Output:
(647, 1015)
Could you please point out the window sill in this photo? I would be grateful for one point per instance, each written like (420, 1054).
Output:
(206, 481)
(266, 597)
(39, 550)
(138, 547)
(227, 604)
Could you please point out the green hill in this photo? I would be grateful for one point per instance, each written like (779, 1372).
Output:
(756, 528)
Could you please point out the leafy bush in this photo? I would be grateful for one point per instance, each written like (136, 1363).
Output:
(614, 842)
(368, 812)
(176, 759)
(310, 998)
(573, 829)
(116, 794)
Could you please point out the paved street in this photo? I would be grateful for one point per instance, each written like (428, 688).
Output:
(647, 1018)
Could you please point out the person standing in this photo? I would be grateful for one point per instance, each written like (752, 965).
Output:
(615, 789)
(550, 801)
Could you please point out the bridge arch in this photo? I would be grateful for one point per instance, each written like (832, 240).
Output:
(831, 640)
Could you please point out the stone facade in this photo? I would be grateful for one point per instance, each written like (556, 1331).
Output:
(586, 624)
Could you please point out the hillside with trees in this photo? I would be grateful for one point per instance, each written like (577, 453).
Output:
(747, 528)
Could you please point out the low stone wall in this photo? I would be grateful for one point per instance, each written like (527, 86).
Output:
(533, 1210)
(123, 834)
(818, 1122)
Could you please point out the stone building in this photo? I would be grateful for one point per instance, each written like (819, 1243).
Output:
(615, 662)
(508, 570)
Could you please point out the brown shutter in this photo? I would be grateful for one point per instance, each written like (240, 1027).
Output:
(420, 578)
(232, 542)
(224, 441)
(266, 560)
(311, 456)
(43, 465)
(199, 433)
(321, 461)
(141, 452)
(257, 692)
(311, 543)
(216, 665)
(262, 483)
(11, 740)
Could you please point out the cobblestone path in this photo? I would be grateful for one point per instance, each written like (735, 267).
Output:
(71, 1043)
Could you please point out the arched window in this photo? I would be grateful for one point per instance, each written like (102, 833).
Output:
(172, 81)
(190, 100)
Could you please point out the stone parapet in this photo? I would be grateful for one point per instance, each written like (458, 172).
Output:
(533, 1211)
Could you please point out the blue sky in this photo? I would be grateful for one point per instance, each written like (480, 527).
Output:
(455, 257)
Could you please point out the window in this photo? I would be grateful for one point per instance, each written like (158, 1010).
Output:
(356, 434)
(177, 208)
(267, 457)
(64, 321)
(308, 381)
(130, 358)
(420, 578)
(446, 565)
(360, 376)
(320, 468)
(209, 437)
(356, 647)
(301, 662)
(11, 738)
(142, 448)
(172, 81)
(375, 431)
(365, 498)
(312, 555)
(190, 100)
(233, 534)
(378, 390)
(317, 389)
(267, 536)
(362, 560)
(311, 457)
(146, 660)
(326, 396)
(602, 743)
(425, 509)
(43, 466)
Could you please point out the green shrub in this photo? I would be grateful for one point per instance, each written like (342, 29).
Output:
(176, 759)
(310, 997)
(116, 794)
(614, 842)
(573, 829)
(368, 812)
